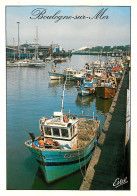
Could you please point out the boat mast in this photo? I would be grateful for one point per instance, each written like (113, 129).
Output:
(63, 96)
(14, 48)
(18, 40)
(37, 40)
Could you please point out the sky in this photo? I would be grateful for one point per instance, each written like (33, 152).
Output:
(68, 33)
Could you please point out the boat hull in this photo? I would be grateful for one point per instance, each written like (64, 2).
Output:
(56, 76)
(105, 92)
(85, 91)
(57, 164)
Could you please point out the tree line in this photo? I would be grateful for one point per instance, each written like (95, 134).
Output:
(108, 48)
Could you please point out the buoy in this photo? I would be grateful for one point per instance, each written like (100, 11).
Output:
(74, 147)
(41, 143)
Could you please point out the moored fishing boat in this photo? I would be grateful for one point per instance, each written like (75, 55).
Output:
(106, 87)
(88, 86)
(55, 75)
(69, 73)
(99, 72)
(65, 144)
(105, 92)
(37, 63)
(60, 60)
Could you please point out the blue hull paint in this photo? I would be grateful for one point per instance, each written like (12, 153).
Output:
(56, 164)
(88, 87)
(56, 75)
(84, 91)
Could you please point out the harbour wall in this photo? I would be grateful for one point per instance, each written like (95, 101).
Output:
(108, 162)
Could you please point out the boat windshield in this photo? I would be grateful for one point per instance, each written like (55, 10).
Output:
(47, 131)
(64, 133)
(56, 132)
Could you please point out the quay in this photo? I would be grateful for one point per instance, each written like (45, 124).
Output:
(110, 162)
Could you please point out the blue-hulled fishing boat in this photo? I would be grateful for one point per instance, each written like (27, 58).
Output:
(88, 86)
(55, 75)
(63, 147)
(65, 144)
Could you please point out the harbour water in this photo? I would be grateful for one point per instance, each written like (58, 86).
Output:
(31, 95)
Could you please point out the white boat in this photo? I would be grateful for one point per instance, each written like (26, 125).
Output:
(19, 63)
(99, 72)
(64, 145)
(70, 73)
(37, 63)
(80, 75)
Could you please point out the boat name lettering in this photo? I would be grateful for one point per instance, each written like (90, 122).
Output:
(73, 155)
(41, 13)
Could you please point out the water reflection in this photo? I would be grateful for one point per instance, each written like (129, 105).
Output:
(40, 183)
(30, 91)
(103, 105)
(57, 83)
(85, 101)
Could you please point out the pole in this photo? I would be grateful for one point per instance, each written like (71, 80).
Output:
(63, 95)
(14, 48)
(37, 41)
(18, 40)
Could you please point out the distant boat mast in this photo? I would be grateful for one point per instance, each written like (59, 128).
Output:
(18, 40)
(37, 39)
(36, 44)
(14, 48)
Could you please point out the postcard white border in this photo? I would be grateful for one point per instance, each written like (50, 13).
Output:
(133, 5)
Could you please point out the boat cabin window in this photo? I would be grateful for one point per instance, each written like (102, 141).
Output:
(102, 80)
(47, 131)
(87, 80)
(56, 132)
(64, 133)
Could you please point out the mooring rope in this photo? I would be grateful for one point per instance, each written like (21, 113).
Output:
(80, 166)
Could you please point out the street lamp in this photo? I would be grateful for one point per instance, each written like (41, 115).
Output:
(18, 39)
